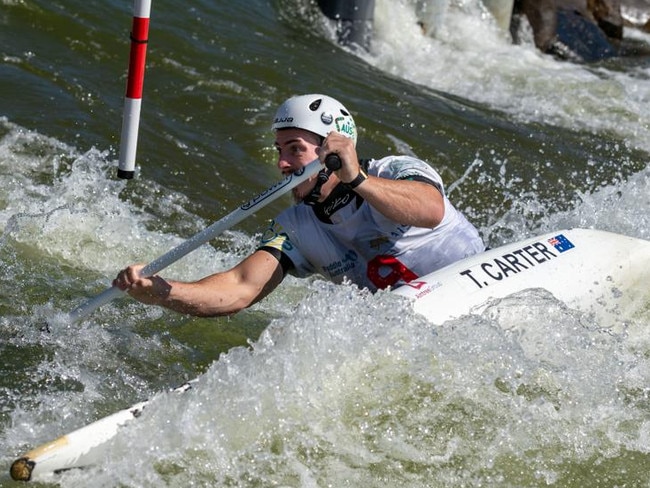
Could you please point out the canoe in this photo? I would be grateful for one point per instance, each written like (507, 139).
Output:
(596, 272)
(602, 274)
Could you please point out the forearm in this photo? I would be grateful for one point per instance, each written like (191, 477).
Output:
(218, 294)
(203, 300)
(404, 201)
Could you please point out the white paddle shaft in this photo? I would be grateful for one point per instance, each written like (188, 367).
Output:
(272, 193)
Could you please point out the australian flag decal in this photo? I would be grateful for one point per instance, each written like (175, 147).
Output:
(561, 243)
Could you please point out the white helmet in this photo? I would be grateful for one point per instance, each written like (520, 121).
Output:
(316, 113)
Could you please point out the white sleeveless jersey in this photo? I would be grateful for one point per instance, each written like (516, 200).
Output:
(363, 246)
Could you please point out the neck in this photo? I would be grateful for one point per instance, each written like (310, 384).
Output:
(327, 187)
(325, 183)
(335, 203)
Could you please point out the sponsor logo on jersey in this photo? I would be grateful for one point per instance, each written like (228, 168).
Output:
(342, 266)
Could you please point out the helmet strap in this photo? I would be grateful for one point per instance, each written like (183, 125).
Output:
(314, 195)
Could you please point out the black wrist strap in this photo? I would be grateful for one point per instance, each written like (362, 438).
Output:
(361, 177)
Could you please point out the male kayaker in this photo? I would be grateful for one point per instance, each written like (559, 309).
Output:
(378, 223)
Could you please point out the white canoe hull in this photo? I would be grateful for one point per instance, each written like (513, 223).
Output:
(82, 447)
(596, 272)
(76, 449)
(592, 271)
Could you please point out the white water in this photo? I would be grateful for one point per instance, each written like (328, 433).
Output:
(344, 388)
(471, 57)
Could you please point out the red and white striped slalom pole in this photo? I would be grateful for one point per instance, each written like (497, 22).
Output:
(133, 99)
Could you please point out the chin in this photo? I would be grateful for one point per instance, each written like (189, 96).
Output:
(300, 192)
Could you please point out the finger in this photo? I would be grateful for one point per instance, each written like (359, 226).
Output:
(121, 282)
(133, 273)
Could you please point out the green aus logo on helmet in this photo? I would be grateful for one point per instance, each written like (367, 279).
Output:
(345, 125)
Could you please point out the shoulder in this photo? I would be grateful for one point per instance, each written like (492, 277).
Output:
(403, 168)
(288, 220)
(398, 165)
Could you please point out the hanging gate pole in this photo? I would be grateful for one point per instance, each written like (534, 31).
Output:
(133, 99)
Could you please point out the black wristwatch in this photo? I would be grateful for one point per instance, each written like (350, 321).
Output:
(361, 177)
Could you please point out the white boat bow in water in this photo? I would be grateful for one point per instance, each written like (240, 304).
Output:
(599, 273)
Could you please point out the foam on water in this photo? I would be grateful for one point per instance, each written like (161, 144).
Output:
(469, 56)
(329, 396)
(68, 207)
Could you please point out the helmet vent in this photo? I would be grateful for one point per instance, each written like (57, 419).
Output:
(313, 106)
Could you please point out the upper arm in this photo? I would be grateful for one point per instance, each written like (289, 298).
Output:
(406, 202)
(407, 190)
(257, 275)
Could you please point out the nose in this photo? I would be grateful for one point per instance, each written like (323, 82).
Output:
(284, 166)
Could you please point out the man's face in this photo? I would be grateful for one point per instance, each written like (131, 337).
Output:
(297, 148)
